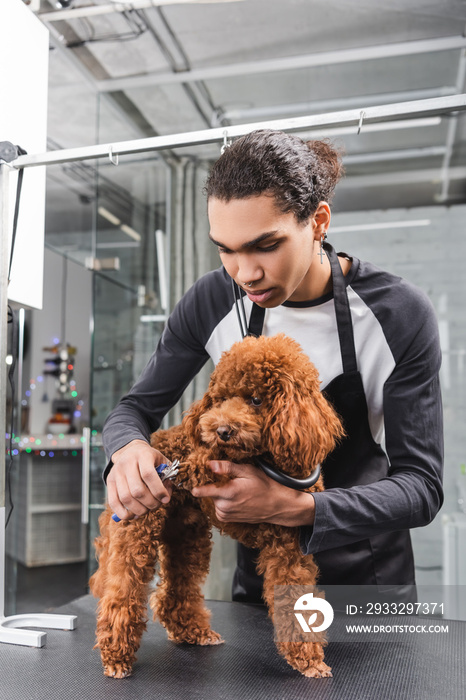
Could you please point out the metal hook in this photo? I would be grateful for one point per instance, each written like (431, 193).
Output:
(226, 143)
(361, 119)
(113, 157)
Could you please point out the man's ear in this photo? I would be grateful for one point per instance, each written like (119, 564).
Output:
(321, 219)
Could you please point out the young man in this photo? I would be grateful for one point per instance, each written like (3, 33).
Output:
(372, 336)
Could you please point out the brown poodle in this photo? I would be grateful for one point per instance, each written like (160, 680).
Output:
(263, 399)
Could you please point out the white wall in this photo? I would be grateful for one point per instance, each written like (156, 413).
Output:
(431, 256)
(24, 53)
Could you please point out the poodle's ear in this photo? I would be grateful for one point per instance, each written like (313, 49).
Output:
(301, 427)
(190, 421)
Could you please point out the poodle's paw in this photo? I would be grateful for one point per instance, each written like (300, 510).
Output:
(320, 670)
(201, 637)
(305, 657)
(117, 670)
(210, 638)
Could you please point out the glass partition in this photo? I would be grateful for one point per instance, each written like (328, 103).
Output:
(70, 210)
(131, 277)
(152, 243)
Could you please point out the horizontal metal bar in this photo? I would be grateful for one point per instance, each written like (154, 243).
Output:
(371, 115)
(399, 124)
(93, 10)
(55, 507)
(275, 65)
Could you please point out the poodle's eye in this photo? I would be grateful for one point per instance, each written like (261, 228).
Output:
(256, 401)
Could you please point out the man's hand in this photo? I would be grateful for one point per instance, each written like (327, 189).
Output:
(252, 497)
(134, 487)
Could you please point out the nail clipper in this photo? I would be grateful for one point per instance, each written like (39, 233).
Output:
(165, 471)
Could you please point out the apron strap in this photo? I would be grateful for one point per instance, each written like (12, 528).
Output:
(343, 313)
(256, 320)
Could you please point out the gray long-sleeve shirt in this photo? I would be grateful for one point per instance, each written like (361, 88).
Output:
(397, 347)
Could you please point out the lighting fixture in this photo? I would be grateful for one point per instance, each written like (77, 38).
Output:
(378, 225)
(130, 232)
(109, 216)
(117, 222)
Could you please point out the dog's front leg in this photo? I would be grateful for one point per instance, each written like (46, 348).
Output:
(282, 564)
(129, 560)
(184, 556)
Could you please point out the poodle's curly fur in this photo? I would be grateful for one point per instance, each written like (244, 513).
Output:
(263, 398)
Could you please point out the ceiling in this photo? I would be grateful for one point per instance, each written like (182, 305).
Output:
(157, 70)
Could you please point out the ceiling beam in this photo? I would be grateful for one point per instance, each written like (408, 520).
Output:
(451, 133)
(331, 105)
(275, 65)
(112, 7)
(404, 154)
(176, 57)
(123, 109)
(76, 61)
(403, 177)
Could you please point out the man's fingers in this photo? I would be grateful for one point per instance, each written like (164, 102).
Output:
(152, 481)
(225, 468)
(134, 487)
(114, 501)
(128, 492)
(213, 491)
(169, 487)
(204, 491)
(225, 489)
(116, 504)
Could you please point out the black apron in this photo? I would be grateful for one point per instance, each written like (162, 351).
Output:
(382, 560)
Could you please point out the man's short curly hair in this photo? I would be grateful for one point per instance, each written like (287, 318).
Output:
(298, 174)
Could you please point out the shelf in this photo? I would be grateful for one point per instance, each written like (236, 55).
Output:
(68, 441)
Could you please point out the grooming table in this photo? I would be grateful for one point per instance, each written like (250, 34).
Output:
(420, 667)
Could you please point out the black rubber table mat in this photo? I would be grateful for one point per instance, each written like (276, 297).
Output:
(421, 667)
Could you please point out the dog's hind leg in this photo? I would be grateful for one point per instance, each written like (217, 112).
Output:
(122, 612)
(101, 543)
(184, 554)
(283, 564)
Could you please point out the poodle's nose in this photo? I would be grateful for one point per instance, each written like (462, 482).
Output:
(225, 432)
